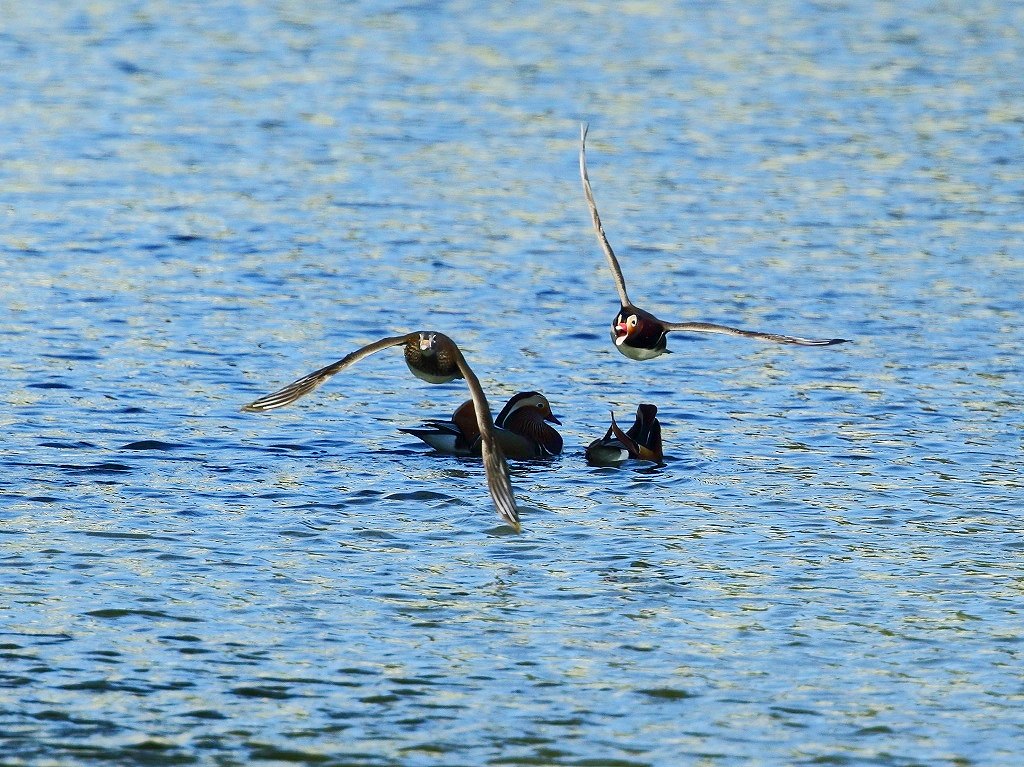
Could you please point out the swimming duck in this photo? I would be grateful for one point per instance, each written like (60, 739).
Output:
(640, 335)
(456, 436)
(435, 358)
(642, 440)
(521, 429)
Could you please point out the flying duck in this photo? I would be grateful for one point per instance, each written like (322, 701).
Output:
(435, 358)
(640, 335)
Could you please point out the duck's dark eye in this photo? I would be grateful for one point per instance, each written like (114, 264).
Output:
(632, 321)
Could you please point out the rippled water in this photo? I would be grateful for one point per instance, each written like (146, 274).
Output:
(201, 202)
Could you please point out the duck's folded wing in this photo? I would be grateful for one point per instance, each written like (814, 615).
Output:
(443, 437)
(632, 446)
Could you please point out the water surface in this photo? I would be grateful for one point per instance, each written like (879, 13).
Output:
(201, 202)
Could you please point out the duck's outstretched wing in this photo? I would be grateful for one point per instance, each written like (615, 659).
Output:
(692, 327)
(499, 484)
(708, 327)
(620, 282)
(307, 383)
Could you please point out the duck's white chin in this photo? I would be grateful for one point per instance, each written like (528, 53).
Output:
(636, 352)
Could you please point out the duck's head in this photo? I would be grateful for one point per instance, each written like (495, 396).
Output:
(427, 344)
(646, 414)
(624, 326)
(638, 334)
(535, 402)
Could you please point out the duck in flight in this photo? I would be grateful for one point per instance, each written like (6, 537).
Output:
(640, 335)
(435, 358)
(641, 441)
(521, 429)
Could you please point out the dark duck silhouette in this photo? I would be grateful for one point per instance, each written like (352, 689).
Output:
(640, 335)
(435, 358)
(521, 429)
(641, 441)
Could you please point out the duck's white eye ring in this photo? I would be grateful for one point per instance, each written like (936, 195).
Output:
(632, 321)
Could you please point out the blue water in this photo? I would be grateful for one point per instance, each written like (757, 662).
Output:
(200, 202)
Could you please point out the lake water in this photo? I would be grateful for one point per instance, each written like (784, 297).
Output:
(202, 201)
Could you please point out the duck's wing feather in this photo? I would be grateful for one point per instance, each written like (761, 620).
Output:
(307, 383)
(499, 484)
(627, 441)
(708, 327)
(637, 450)
(441, 438)
(620, 283)
(443, 427)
